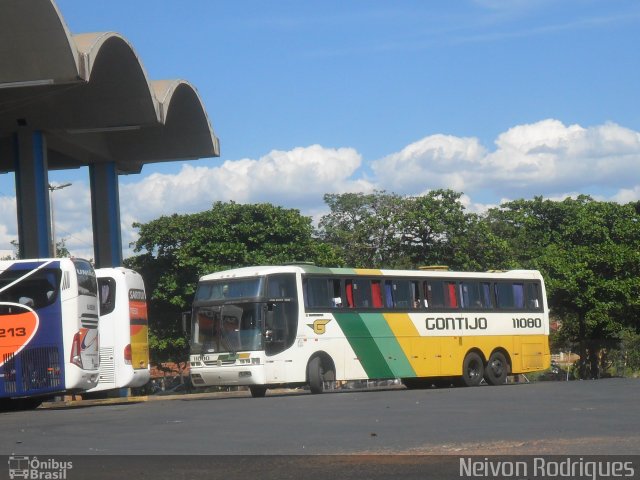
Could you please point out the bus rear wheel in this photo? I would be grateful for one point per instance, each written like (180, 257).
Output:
(472, 370)
(497, 369)
(258, 391)
(317, 374)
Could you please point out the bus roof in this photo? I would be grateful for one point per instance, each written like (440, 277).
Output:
(30, 263)
(245, 272)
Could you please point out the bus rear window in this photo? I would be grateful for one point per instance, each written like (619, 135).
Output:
(87, 284)
(37, 290)
(107, 289)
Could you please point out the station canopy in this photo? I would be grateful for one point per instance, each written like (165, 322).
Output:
(91, 97)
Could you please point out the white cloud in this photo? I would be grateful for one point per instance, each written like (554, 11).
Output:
(432, 162)
(627, 195)
(8, 223)
(545, 158)
(296, 178)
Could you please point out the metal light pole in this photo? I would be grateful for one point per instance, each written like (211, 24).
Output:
(53, 188)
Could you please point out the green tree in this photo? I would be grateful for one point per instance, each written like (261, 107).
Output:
(589, 253)
(437, 229)
(176, 250)
(364, 227)
(385, 230)
(61, 249)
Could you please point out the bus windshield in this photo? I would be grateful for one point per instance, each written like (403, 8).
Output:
(227, 328)
(218, 290)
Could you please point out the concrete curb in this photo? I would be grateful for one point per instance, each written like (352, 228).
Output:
(156, 398)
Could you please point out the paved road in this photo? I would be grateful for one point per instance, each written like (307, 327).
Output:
(562, 418)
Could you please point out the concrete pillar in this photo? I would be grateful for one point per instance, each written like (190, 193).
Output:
(32, 194)
(105, 210)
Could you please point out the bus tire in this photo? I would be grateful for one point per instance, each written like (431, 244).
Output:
(258, 391)
(497, 369)
(315, 374)
(472, 370)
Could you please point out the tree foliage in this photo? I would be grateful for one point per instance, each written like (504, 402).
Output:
(588, 252)
(365, 227)
(386, 230)
(176, 250)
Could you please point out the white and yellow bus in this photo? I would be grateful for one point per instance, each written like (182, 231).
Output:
(271, 326)
(124, 330)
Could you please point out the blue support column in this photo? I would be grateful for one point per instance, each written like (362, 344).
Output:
(105, 209)
(32, 194)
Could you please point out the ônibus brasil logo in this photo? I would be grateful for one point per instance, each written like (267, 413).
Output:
(21, 466)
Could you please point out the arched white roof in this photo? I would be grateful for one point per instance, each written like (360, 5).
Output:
(91, 96)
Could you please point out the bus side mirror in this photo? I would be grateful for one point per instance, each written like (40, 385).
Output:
(186, 322)
(268, 331)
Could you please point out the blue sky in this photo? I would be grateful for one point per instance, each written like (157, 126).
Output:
(496, 99)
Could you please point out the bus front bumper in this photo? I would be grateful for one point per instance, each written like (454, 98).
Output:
(228, 375)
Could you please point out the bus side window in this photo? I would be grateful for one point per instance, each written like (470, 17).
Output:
(435, 293)
(518, 295)
(336, 287)
(107, 294)
(362, 293)
(475, 295)
(464, 288)
(415, 294)
(316, 292)
(450, 294)
(348, 289)
(533, 296)
(510, 295)
(388, 294)
(426, 292)
(403, 294)
(485, 293)
(376, 294)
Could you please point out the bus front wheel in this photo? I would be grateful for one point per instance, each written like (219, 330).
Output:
(497, 369)
(472, 370)
(316, 375)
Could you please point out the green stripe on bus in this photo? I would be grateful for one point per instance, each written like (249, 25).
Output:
(363, 345)
(388, 345)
